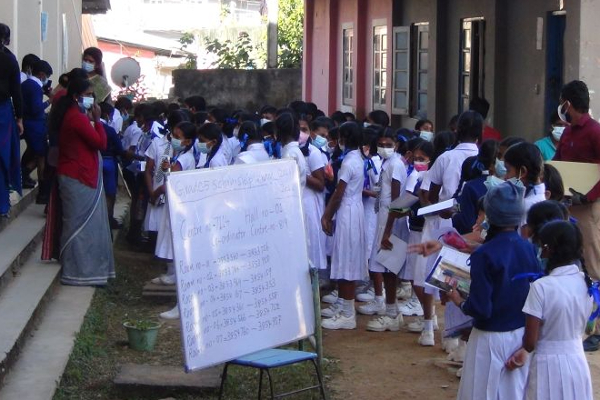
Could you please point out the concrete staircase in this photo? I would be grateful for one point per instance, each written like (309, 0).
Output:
(39, 318)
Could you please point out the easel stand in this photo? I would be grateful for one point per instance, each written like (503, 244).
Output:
(275, 358)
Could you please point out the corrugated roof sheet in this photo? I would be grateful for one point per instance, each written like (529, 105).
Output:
(95, 6)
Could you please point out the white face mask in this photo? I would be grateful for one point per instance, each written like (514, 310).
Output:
(87, 66)
(264, 121)
(385, 152)
(366, 124)
(87, 102)
(563, 115)
(426, 135)
(557, 132)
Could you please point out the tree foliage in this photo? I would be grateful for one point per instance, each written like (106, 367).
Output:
(291, 33)
(237, 55)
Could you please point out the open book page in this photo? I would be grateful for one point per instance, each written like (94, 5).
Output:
(437, 207)
(393, 259)
(451, 268)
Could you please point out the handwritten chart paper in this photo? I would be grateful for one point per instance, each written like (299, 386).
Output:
(241, 262)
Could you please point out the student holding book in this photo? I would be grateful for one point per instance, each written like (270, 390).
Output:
(496, 299)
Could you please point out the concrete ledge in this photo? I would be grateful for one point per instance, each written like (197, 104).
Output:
(159, 292)
(18, 205)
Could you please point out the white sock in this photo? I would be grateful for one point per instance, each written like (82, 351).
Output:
(379, 299)
(391, 310)
(428, 325)
(170, 268)
(348, 308)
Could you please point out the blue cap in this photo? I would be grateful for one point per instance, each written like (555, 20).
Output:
(504, 205)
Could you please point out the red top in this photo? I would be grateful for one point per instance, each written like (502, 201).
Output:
(491, 133)
(78, 144)
(581, 143)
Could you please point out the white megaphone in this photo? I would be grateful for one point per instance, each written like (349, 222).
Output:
(125, 72)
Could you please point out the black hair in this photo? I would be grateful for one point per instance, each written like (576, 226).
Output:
(442, 142)
(77, 73)
(173, 107)
(188, 130)
(565, 244)
(379, 117)
(469, 127)
(338, 118)
(526, 155)
(161, 108)
(106, 109)
(554, 118)
(334, 133)
(267, 109)
(453, 123)
(248, 134)
(509, 141)
(287, 110)
(63, 80)
(299, 107)
(312, 109)
(422, 122)
(488, 152)
(4, 34)
(41, 66)
(543, 212)
(175, 118)
(76, 88)
(96, 54)
(268, 129)
(123, 103)
(138, 110)
(197, 102)
(349, 116)
(576, 93)
(211, 131)
(28, 61)
(220, 115)
(554, 183)
(199, 118)
(371, 135)
(352, 135)
(286, 128)
(480, 105)
(321, 122)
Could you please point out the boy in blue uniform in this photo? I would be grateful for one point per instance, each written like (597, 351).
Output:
(34, 121)
(110, 172)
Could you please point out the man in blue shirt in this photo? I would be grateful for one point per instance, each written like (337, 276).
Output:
(34, 121)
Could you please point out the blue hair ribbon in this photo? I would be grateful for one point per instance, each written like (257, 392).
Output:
(532, 276)
(244, 142)
(594, 292)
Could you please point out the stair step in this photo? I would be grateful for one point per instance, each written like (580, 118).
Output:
(18, 240)
(47, 352)
(20, 305)
(18, 205)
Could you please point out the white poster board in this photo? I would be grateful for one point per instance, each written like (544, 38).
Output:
(243, 281)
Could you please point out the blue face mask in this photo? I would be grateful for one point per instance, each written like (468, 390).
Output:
(87, 66)
(542, 261)
(492, 181)
(516, 181)
(176, 143)
(203, 148)
(319, 141)
(500, 168)
(86, 102)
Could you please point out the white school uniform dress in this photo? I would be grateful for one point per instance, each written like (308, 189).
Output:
(392, 169)
(313, 203)
(159, 148)
(131, 136)
(414, 237)
(226, 149)
(444, 172)
(369, 204)
(348, 258)
(254, 153)
(559, 369)
(536, 195)
(117, 121)
(235, 146)
(164, 242)
(292, 150)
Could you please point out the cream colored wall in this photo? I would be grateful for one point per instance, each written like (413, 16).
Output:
(24, 16)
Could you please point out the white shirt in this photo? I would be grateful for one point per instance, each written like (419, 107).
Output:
(536, 195)
(159, 148)
(446, 170)
(352, 172)
(315, 159)
(117, 121)
(292, 150)
(392, 169)
(254, 153)
(131, 136)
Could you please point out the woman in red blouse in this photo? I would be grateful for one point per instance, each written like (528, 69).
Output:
(86, 252)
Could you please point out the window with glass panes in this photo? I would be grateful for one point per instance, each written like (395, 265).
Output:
(420, 67)
(348, 67)
(401, 77)
(471, 63)
(379, 66)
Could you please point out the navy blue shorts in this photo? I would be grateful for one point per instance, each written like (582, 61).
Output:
(110, 174)
(34, 133)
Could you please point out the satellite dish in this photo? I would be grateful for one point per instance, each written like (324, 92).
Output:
(125, 72)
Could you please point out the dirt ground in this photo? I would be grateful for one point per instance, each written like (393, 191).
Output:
(391, 365)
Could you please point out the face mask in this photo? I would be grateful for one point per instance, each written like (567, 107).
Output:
(342, 147)
(319, 141)
(303, 138)
(366, 124)
(563, 115)
(86, 102)
(176, 143)
(385, 152)
(557, 132)
(492, 181)
(500, 168)
(125, 117)
(421, 166)
(87, 66)
(542, 261)
(44, 82)
(516, 181)
(425, 135)
(236, 131)
(203, 148)
(264, 121)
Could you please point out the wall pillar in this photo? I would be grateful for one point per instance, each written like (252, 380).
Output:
(589, 51)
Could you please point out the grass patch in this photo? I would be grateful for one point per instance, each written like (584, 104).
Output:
(101, 345)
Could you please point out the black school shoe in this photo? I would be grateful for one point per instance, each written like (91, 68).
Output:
(28, 183)
(592, 343)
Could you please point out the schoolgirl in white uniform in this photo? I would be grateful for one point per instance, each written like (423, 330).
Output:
(252, 149)
(218, 116)
(440, 184)
(348, 260)
(182, 141)
(159, 150)
(391, 180)
(286, 130)
(557, 310)
(210, 144)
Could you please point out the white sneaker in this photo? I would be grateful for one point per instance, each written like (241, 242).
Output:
(404, 292)
(385, 323)
(368, 295)
(411, 308)
(332, 310)
(372, 307)
(166, 280)
(419, 324)
(459, 352)
(171, 314)
(339, 322)
(330, 298)
(426, 338)
(449, 344)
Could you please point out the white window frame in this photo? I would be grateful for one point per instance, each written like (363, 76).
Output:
(401, 109)
(348, 66)
(417, 90)
(381, 53)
